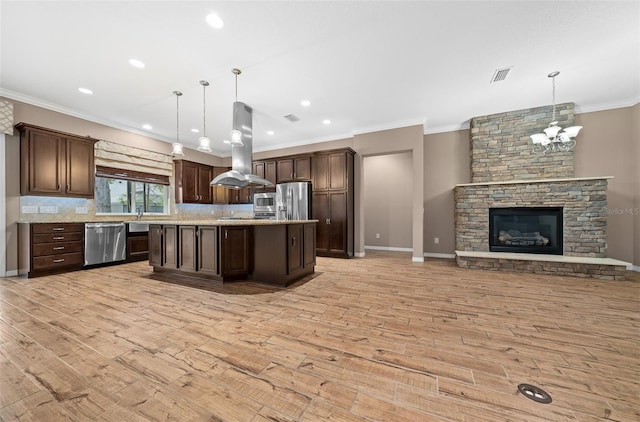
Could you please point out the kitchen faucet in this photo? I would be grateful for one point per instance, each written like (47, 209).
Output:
(139, 213)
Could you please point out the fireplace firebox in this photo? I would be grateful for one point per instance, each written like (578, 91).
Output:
(526, 230)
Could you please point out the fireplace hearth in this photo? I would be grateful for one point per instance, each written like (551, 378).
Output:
(526, 230)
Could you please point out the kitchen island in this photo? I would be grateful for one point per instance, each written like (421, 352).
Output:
(266, 251)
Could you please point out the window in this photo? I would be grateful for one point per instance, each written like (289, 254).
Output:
(128, 192)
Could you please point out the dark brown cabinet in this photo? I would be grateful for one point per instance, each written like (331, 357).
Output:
(208, 250)
(192, 182)
(220, 195)
(155, 245)
(293, 169)
(170, 247)
(198, 249)
(332, 202)
(137, 246)
(266, 170)
(240, 196)
(55, 163)
(236, 251)
(49, 248)
(295, 244)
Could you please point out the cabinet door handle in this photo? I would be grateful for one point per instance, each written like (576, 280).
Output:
(293, 241)
(68, 189)
(57, 261)
(328, 221)
(58, 229)
(58, 237)
(58, 186)
(58, 248)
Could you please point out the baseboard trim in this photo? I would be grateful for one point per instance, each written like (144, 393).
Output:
(388, 248)
(11, 273)
(440, 255)
(635, 268)
(359, 254)
(417, 259)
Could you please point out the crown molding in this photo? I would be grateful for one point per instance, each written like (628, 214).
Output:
(578, 109)
(389, 126)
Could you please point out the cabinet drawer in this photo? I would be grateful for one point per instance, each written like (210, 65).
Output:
(44, 228)
(43, 249)
(53, 261)
(57, 237)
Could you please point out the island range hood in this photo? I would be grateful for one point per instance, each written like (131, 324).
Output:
(241, 153)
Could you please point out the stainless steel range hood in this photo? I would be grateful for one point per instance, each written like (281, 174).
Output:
(241, 155)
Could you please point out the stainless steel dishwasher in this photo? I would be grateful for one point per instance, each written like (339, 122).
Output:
(104, 242)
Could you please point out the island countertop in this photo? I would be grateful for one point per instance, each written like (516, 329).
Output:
(227, 222)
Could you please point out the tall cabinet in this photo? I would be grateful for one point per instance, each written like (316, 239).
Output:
(333, 202)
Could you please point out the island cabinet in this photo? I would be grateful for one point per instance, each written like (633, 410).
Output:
(293, 169)
(55, 163)
(198, 249)
(284, 253)
(236, 252)
(332, 202)
(277, 253)
(192, 182)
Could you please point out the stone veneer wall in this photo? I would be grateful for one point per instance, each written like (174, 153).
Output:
(501, 149)
(584, 202)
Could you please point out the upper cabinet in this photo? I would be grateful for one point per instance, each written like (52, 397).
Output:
(294, 169)
(55, 163)
(220, 195)
(192, 183)
(331, 170)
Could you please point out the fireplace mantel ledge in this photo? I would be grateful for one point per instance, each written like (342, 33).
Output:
(515, 182)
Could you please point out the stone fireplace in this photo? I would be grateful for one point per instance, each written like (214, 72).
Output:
(551, 221)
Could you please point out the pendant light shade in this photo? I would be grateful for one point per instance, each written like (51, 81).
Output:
(177, 146)
(204, 142)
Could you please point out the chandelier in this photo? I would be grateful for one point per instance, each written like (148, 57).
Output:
(554, 139)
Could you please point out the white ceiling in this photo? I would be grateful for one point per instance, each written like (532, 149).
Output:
(364, 65)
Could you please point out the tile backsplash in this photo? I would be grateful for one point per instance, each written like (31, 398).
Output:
(56, 209)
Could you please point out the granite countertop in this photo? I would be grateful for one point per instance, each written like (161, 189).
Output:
(228, 222)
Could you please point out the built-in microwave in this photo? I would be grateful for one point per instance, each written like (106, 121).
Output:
(264, 205)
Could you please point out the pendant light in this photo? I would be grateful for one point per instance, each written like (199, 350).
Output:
(205, 143)
(236, 133)
(177, 146)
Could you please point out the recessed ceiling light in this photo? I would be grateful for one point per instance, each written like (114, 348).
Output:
(194, 130)
(326, 122)
(270, 132)
(215, 21)
(147, 127)
(226, 141)
(136, 63)
(305, 103)
(85, 91)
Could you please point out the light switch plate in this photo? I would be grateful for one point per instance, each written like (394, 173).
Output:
(29, 209)
(81, 210)
(48, 209)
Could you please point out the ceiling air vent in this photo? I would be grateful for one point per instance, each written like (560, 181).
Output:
(291, 117)
(500, 74)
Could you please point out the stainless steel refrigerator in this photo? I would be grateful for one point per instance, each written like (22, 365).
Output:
(293, 201)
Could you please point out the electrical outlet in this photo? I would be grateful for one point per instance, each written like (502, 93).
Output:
(81, 210)
(436, 240)
(29, 209)
(48, 209)
(377, 235)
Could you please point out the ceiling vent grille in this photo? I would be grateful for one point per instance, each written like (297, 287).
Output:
(500, 74)
(291, 117)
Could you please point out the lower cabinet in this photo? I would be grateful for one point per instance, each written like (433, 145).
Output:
(284, 253)
(50, 248)
(236, 251)
(274, 254)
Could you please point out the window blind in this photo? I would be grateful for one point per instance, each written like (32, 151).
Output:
(134, 176)
(123, 157)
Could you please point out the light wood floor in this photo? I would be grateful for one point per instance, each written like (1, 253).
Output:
(372, 339)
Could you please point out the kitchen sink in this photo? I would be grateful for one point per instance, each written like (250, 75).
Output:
(137, 227)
